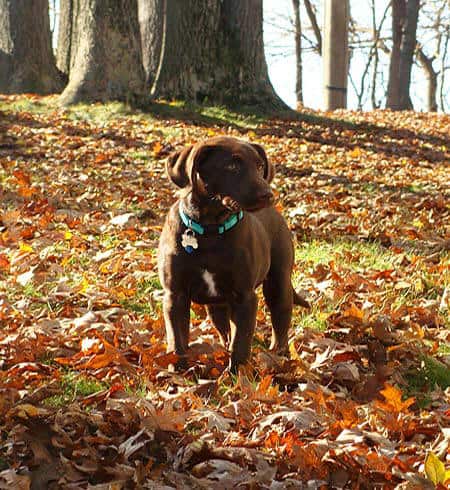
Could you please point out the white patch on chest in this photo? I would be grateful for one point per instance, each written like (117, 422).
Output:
(209, 281)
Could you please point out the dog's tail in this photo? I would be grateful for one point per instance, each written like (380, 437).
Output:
(300, 300)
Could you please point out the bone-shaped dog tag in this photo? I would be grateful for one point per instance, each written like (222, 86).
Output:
(189, 241)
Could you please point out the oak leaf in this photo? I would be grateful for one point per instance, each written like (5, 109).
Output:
(393, 400)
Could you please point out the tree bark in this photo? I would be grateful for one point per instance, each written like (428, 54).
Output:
(376, 36)
(405, 15)
(64, 35)
(335, 54)
(151, 20)
(393, 91)
(298, 54)
(442, 92)
(432, 77)
(213, 50)
(67, 34)
(27, 63)
(107, 63)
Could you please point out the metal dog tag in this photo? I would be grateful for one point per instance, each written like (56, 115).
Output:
(189, 241)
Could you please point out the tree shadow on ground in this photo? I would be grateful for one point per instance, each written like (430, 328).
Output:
(390, 141)
(343, 180)
(11, 143)
(401, 143)
(305, 126)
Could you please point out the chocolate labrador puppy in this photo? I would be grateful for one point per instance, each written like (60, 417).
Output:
(221, 240)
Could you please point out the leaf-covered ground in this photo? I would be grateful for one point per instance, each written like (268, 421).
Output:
(85, 396)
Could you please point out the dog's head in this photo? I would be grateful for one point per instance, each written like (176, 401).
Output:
(233, 171)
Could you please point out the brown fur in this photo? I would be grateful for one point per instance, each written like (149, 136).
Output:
(217, 177)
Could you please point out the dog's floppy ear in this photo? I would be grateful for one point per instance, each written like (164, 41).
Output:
(269, 171)
(182, 167)
(176, 167)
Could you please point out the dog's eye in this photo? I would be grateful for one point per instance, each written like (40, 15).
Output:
(260, 167)
(232, 167)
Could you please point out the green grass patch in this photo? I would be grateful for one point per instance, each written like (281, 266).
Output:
(138, 307)
(142, 302)
(368, 187)
(437, 373)
(140, 155)
(73, 386)
(425, 285)
(3, 464)
(147, 286)
(247, 119)
(109, 241)
(139, 389)
(356, 255)
(47, 358)
(444, 348)
(30, 291)
(77, 259)
(25, 104)
(99, 112)
(416, 188)
(432, 373)
(316, 319)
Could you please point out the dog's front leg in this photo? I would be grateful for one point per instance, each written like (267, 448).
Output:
(176, 317)
(243, 315)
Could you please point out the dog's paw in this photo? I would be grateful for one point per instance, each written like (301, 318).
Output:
(180, 365)
(240, 368)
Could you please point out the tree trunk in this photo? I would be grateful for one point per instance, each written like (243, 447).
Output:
(443, 81)
(189, 29)
(151, 20)
(314, 24)
(27, 63)
(393, 91)
(407, 48)
(432, 77)
(213, 50)
(64, 35)
(405, 15)
(67, 34)
(107, 63)
(298, 54)
(335, 54)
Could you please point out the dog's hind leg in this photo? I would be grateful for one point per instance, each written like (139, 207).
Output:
(220, 317)
(278, 294)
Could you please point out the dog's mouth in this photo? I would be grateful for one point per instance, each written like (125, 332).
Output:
(232, 205)
(229, 203)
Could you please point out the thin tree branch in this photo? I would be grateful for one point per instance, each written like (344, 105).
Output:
(373, 49)
(313, 19)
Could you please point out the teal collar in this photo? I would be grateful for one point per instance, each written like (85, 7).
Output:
(231, 222)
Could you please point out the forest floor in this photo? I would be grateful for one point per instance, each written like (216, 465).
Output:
(85, 395)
